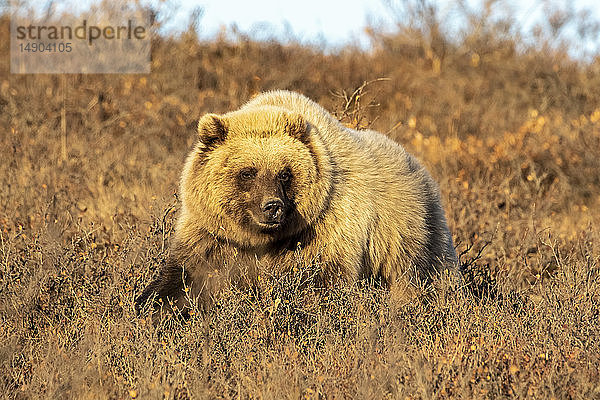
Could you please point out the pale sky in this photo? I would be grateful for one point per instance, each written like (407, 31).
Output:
(334, 22)
(310, 20)
(340, 21)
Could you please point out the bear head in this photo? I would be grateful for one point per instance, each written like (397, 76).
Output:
(256, 176)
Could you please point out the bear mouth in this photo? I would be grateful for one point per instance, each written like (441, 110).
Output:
(267, 225)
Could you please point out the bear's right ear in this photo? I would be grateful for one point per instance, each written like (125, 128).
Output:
(212, 130)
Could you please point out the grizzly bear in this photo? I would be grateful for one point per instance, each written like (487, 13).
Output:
(281, 179)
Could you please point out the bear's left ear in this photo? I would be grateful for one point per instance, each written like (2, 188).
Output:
(212, 129)
(297, 127)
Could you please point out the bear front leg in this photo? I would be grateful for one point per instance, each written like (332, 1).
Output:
(165, 291)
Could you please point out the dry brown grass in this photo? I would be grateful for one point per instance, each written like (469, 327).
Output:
(513, 138)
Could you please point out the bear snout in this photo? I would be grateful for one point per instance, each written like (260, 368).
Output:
(272, 210)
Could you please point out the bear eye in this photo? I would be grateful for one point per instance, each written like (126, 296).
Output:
(247, 174)
(285, 176)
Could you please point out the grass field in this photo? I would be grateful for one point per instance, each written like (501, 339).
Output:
(90, 165)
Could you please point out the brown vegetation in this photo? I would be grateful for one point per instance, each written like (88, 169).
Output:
(513, 138)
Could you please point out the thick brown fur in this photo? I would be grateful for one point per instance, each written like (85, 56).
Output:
(354, 201)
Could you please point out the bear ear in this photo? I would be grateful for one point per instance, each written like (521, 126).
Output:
(212, 130)
(297, 127)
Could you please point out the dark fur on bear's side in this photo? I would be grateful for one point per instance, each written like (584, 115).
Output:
(281, 179)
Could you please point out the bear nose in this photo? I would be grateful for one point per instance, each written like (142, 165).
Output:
(272, 208)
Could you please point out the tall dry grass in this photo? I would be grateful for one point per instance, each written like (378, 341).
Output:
(512, 136)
